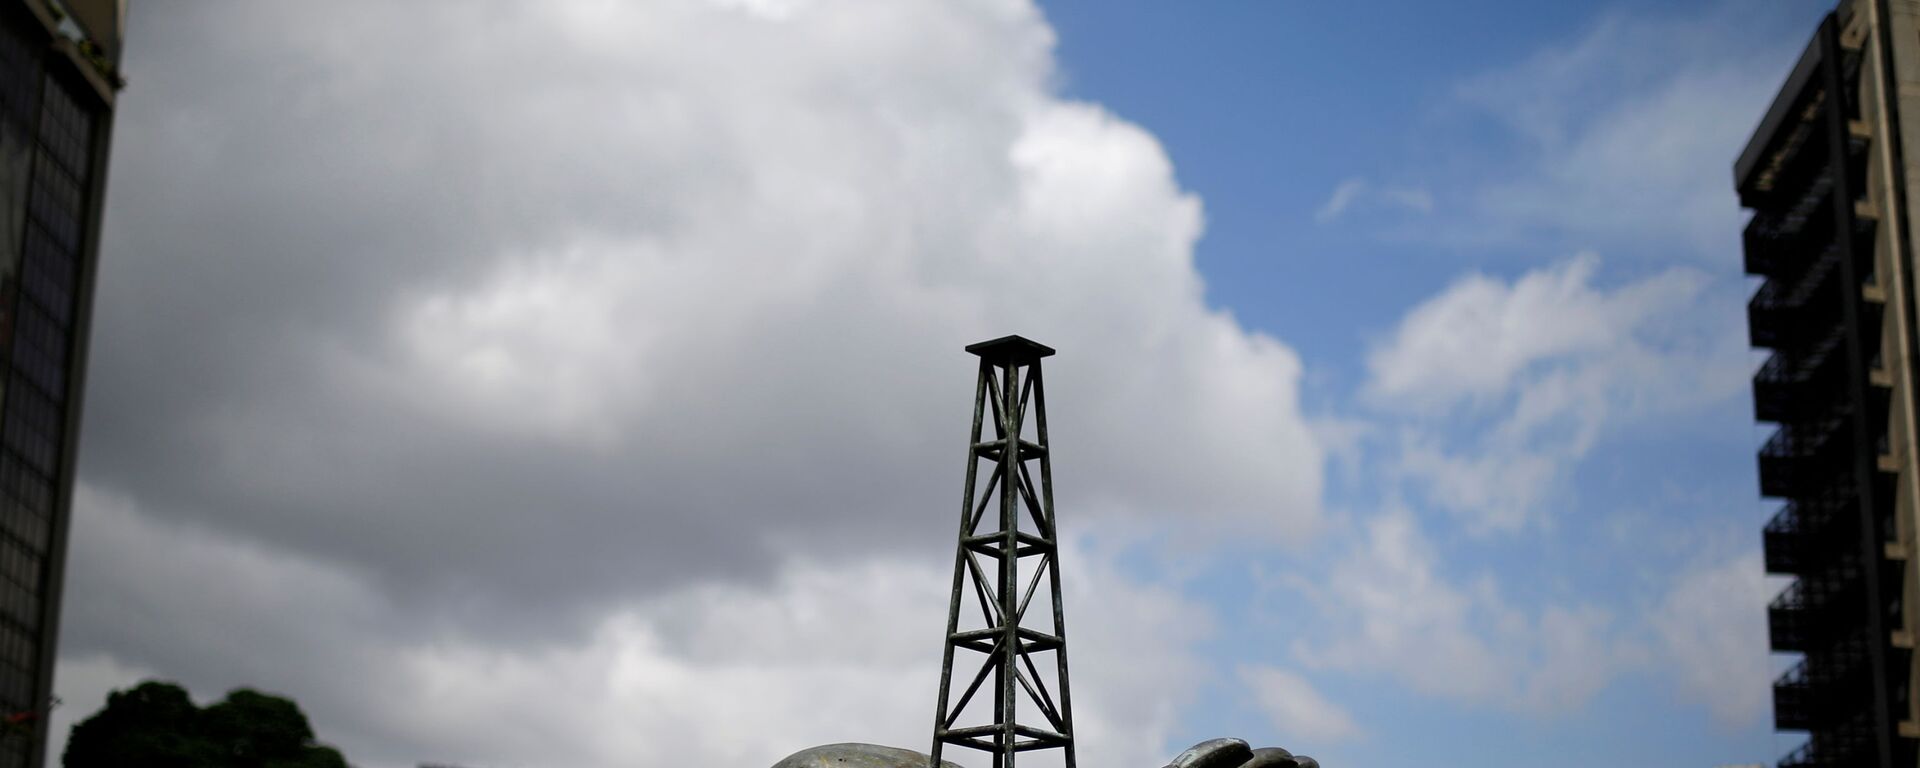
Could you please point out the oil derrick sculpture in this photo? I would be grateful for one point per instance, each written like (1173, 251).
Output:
(1008, 545)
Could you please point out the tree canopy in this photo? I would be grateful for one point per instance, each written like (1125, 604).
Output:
(155, 724)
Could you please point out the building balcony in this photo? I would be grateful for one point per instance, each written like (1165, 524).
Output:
(1793, 383)
(1798, 155)
(1789, 627)
(1841, 745)
(1793, 700)
(1802, 460)
(1790, 314)
(1785, 541)
(1776, 240)
(1805, 615)
(1804, 757)
(1770, 319)
(1822, 751)
(1773, 389)
(1809, 535)
(1786, 244)
(1823, 691)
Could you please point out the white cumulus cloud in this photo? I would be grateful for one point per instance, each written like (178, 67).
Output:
(1388, 609)
(1712, 627)
(1498, 387)
(1297, 709)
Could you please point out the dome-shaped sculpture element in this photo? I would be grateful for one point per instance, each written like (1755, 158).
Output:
(1214, 753)
(858, 756)
(1234, 753)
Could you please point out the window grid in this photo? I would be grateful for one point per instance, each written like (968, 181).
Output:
(55, 202)
(47, 275)
(64, 128)
(39, 349)
(34, 102)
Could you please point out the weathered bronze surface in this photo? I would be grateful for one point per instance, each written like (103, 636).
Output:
(857, 756)
(1234, 753)
(1213, 753)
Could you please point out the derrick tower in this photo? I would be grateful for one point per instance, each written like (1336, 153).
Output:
(1001, 559)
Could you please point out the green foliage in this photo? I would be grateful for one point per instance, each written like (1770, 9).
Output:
(155, 724)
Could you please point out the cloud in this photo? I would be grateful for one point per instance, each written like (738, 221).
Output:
(1343, 196)
(1484, 397)
(1626, 133)
(1497, 387)
(1479, 338)
(648, 309)
(1351, 190)
(1296, 709)
(1712, 628)
(1498, 490)
(1416, 199)
(830, 649)
(1387, 609)
(1481, 401)
(467, 352)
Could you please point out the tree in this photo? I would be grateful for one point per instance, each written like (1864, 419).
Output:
(155, 724)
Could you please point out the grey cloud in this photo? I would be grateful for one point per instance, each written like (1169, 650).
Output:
(513, 314)
(520, 315)
(829, 649)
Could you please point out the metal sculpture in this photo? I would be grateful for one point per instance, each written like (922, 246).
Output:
(1020, 544)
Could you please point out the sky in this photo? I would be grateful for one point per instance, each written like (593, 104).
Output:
(580, 383)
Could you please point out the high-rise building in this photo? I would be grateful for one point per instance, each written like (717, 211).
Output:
(59, 75)
(1826, 177)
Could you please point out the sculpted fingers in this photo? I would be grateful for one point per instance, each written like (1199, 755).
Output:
(1234, 753)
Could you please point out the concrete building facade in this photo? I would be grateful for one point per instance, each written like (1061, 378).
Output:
(1825, 175)
(59, 62)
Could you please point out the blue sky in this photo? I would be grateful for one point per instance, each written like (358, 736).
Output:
(1267, 109)
(595, 368)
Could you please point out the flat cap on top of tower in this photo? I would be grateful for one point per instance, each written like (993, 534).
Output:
(1016, 350)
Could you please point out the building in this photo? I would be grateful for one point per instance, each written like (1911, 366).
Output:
(1826, 177)
(58, 81)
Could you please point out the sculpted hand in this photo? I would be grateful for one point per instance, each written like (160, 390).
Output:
(1234, 753)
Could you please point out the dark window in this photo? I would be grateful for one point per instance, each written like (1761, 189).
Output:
(56, 205)
(19, 76)
(65, 128)
(47, 274)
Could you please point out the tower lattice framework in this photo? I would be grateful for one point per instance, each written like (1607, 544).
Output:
(1008, 546)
